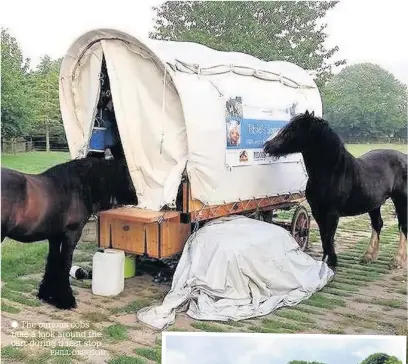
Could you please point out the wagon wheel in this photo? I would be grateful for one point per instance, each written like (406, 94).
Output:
(300, 226)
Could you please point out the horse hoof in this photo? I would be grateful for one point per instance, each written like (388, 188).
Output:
(67, 303)
(332, 261)
(47, 298)
(396, 264)
(366, 260)
(45, 293)
(64, 300)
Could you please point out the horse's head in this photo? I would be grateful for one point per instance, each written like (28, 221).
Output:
(123, 190)
(295, 137)
(109, 182)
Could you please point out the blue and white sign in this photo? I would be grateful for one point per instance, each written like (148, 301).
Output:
(246, 136)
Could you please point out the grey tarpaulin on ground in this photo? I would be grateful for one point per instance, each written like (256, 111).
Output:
(236, 268)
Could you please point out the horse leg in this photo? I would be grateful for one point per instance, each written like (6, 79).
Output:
(373, 247)
(49, 282)
(4, 230)
(64, 297)
(327, 228)
(400, 258)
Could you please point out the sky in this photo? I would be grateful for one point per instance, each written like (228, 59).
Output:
(365, 31)
(204, 348)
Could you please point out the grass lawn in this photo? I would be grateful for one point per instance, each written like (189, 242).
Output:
(33, 162)
(359, 149)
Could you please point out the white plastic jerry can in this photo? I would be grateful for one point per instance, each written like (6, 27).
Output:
(108, 278)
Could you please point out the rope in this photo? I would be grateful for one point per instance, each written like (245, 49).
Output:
(161, 218)
(203, 206)
(260, 74)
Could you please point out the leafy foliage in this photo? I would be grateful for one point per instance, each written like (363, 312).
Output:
(45, 82)
(381, 358)
(269, 30)
(15, 97)
(304, 362)
(29, 99)
(366, 101)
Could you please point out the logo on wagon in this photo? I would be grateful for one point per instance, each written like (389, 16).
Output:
(243, 156)
(262, 156)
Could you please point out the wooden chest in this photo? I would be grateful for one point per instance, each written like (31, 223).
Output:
(139, 231)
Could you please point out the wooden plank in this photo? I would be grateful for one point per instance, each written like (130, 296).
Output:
(186, 189)
(173, 237)
(139, 215)
(128, 236)
(104, 235)
(152, 240)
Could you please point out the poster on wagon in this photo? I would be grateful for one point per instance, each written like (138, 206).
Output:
(248, 127)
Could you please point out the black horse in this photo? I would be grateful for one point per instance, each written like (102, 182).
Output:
(55, 205)
(342, 185)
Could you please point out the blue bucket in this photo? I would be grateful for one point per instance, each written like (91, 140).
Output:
(97, 141)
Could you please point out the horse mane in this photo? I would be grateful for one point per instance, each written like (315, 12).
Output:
(81, 165)
(91, 177)
(328, 139)
(326, 153)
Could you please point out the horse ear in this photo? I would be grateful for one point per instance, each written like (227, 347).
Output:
(307, 113)
(312, 114)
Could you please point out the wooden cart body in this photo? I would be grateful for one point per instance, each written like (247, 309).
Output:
(162, 234)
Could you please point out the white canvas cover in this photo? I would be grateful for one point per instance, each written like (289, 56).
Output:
(170, 103)
(236, 268)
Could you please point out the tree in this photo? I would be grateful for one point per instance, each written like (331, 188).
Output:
(381, 358)
(16, 101)
(365, 101)
(269, 30)
(45, 87)
(304, 362)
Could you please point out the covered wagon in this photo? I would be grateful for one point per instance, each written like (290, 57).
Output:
(190, 122)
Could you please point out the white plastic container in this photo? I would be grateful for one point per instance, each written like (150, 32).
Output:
(108, 277)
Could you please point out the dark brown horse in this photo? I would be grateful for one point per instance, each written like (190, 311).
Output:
(55, 205)
(341, 185)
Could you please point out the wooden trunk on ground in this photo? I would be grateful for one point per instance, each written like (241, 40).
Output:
(136, 231)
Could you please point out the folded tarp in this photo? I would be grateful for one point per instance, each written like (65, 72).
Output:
(235, 268)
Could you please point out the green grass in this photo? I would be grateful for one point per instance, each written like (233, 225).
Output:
(116, 332)
(19, 297)
(43, 358)
(359, 149)
(131, 307)
(294, 315)
(20, 285)
(95, 316)
(388, 303)
(9, 308)
(207, 327)
(12, 354)
(153, 354)
(19, 260)
(33, 162)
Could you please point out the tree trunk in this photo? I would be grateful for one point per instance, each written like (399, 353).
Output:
(47, 137)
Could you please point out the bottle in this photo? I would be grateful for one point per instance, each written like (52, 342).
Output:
(79, 273)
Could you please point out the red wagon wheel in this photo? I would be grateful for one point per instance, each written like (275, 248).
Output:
(300, 227)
